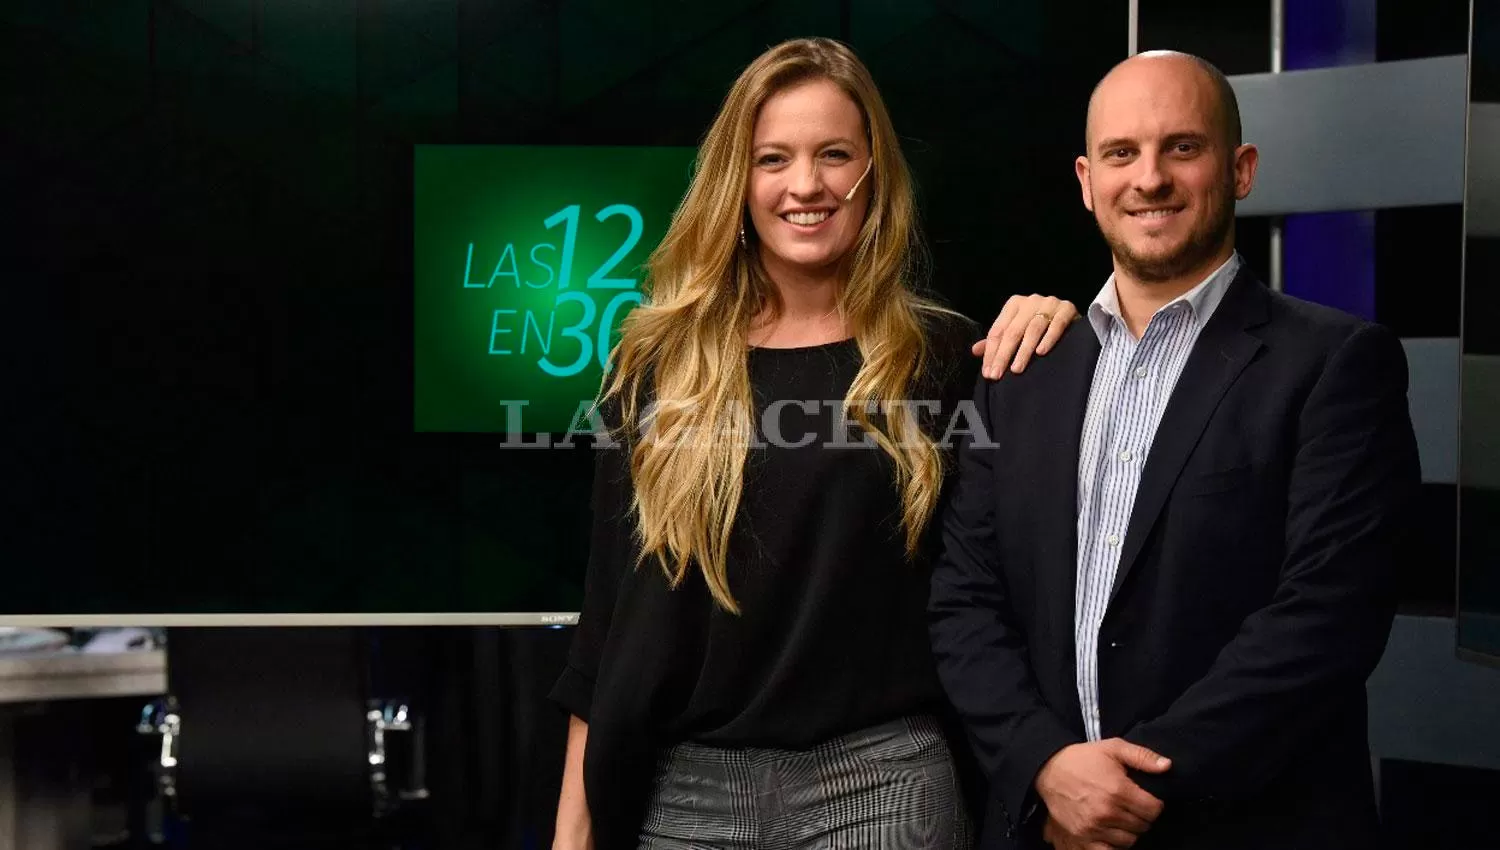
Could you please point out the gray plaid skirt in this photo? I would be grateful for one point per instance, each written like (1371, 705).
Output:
(889, 786)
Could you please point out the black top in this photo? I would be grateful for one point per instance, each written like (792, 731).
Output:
(832, 634)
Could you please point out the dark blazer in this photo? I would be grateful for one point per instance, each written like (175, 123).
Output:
(1255, 590)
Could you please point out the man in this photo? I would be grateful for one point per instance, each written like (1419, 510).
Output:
(1170, 571)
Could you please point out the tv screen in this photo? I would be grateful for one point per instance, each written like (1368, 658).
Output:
(324, 502)
(527, 259)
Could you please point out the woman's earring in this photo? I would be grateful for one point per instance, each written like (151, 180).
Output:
(742, 238)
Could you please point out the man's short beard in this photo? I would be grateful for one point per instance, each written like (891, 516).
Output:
(1194, 252)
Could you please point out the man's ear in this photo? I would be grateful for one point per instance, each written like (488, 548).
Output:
(1246, 159)
(1081, 168)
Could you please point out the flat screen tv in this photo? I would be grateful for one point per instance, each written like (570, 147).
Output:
(410, 446)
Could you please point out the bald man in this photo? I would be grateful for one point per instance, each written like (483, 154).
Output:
(1169, 570)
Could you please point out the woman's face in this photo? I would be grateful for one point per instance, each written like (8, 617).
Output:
(808, 151)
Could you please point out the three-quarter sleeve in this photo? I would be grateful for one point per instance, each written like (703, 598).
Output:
(611, 556)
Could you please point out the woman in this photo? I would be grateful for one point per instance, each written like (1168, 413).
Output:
(751, 666)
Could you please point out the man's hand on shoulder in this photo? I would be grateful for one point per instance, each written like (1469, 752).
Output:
(1091, 801)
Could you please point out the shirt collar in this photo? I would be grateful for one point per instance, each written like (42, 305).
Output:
(1202, 299)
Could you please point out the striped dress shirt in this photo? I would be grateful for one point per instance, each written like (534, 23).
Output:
(1132, 382)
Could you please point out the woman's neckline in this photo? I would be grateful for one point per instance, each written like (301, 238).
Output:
(796, 348)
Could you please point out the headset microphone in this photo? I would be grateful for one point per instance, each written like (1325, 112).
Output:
(849, 197)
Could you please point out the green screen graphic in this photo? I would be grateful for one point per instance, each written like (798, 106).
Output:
(527, 259)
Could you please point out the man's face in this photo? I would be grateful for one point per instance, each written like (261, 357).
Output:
(1160, 175)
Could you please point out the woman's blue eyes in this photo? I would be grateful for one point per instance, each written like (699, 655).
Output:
(776, 158)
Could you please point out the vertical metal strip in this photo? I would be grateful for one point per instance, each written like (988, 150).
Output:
(1133, 39)
(1463, 333)
(1278, 46)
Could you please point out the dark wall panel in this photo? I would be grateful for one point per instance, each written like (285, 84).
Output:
(1236, 37)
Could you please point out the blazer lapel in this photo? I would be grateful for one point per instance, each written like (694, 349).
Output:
(1057, 434)
(1222, 351)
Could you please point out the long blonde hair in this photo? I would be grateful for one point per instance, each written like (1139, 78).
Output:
(682, 355)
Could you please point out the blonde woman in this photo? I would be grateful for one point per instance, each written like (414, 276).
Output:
(751, 666)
